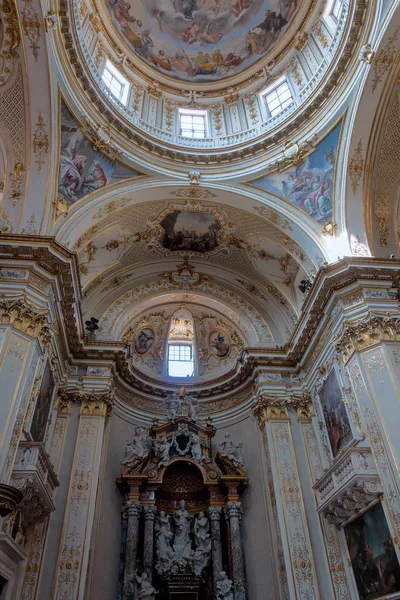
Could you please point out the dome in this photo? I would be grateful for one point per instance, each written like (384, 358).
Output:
(202, 41)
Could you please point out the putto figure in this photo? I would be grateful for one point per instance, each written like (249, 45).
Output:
(224, 587)
(232, 451)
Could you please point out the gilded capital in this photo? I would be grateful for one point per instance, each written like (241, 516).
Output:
(269, 408)
(96, 405)
(26, 318)
(366, 333)
(304, 407)
(64, 402)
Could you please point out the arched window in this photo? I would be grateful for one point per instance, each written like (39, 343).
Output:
(180, 347)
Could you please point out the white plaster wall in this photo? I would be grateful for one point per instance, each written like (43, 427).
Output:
(103, 578)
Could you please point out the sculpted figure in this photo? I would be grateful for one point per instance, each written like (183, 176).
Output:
(231, 450)
(192, 404)
(181, 545)
(224, 587)
(137, 450)
(172, 403)
(162, 447)
(164, 551)
(196, 447)
(146, 590)
(203, 543)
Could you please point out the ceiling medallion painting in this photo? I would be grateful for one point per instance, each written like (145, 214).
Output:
(190, 231)
(202, 40)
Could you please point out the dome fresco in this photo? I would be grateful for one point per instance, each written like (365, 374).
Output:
(202, 40)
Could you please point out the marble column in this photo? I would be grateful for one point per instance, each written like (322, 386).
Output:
(133, 513)
(148, 549)
(234, 511)
(214, 513)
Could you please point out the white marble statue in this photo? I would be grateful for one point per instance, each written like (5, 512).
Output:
(231, 450)
(196, 447)
(137, 449)
(164, 552)
(172, 404)
(182, 546)
(193, 407)
(162, 447)
(224, 587)
(146, 590)
(203, 543)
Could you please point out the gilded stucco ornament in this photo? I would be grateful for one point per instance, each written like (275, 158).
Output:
(366, 333)
(11, 39)
(100, 139)
(270, 407)
(26, 318)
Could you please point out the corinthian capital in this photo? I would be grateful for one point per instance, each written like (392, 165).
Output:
(233, 510)
(132, 509)
(26, 318)
(214, 512)
(96, 405)
(367, 332)
(270, 408)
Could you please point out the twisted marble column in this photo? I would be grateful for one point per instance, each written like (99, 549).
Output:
(214, 513)
(233, 511)
(148, 550)
(133, 513)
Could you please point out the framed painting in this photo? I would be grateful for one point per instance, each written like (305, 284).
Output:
(190, 231)
(144, 340)
(373, 557)
(43, 404)
(335, 414)
(219, 344)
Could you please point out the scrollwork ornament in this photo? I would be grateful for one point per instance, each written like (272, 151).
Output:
(10, 41)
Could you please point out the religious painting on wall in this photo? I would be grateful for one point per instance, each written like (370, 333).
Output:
(144, 340)
(310, 184)
(201, 40)
(82, 169)
(43, 405)
(372, 554)
(194, 231)
(219, 344)
(335, 415)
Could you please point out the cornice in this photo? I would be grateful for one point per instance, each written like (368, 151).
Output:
(332, 279)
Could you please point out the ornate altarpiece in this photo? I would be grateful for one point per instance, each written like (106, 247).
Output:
(179, 479)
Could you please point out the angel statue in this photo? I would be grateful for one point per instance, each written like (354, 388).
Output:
(162, 447)
(224, 587)
(232, 451)
(137, 450)
(146, 590)
(192, 404)
(173, 404)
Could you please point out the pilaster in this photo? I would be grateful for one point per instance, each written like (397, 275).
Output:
(74, 549)
(273, 418)
(38, 533)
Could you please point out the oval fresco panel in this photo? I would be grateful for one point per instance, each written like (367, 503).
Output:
(144, 340)
(219, 344)
(201, 40)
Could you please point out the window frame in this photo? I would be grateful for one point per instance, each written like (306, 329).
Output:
(273, 88)
(119, 78)
(192, 113)
(180, 360)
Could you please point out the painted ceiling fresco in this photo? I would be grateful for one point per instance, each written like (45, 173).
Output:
(202, 40)
(309, 185)
(82, 169)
